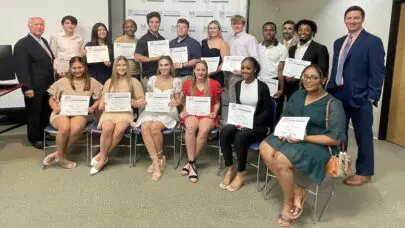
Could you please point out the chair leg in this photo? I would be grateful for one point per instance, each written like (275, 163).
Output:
(130, 149)
(135, 147)
(316, 203)
(331, 194)
(44, 149)
(87, 149)
(176, 165)
(258, 174)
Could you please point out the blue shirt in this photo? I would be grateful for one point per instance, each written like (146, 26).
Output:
(193, 49)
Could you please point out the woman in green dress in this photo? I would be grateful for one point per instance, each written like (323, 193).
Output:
(286, 155)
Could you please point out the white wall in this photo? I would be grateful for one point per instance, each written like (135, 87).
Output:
(261, 11)
(14, 18)
(328, 14)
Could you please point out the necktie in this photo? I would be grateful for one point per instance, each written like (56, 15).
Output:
(339, 73)
(45, 47)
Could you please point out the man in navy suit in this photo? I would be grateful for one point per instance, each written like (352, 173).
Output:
(34, 68)
(357, 76)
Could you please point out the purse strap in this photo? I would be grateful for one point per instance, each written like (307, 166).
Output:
(342, 145)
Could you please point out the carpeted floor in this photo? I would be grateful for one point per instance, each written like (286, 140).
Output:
(124, 196)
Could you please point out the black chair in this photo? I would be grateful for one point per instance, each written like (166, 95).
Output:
(6, 63)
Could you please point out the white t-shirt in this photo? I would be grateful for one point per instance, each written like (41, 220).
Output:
(249, 93)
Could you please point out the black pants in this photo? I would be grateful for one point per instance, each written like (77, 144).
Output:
(241, 140)
(38, 113)
(279, 109)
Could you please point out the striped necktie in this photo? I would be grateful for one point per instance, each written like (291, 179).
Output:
(339, 73)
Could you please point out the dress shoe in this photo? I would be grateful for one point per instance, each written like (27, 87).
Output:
(39, 145)
(357, 180)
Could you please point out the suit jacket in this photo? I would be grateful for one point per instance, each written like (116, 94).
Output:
(264, 114)
(316, 54)
(363, 70)
(33, 66)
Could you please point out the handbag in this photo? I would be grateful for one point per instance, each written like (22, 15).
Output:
(338, 165)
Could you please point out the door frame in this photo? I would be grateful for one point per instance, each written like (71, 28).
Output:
(391, 52)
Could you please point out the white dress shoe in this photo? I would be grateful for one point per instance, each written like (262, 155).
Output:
(93, 169)
(93, 161)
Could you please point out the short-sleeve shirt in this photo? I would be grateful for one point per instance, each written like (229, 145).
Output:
(148, 68)
(63, 87)
(193, 51)
(270, 57)
(134, 67)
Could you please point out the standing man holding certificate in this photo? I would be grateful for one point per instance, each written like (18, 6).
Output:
(254, 94)
(241, 44)
(272, 56)
(307, 49)
(357, 76)
(184, 67)
(149, 65)
(65, 45)
(33, 65)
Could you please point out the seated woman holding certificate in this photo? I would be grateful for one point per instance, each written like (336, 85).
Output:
(199, 86)
(70, 126)
(160, 113)
(101, 71)
(113, 123)
(286, 155)
(254, 94)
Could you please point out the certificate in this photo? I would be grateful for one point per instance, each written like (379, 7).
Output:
(272, 84)
(118, 102)
(158, 48)
(72, 105)
(212, 63)
(292, 126)
(294, 67)
(179, 55)
(198, 106)
(232, 63)
(241, 115)
(124, 49)
(157, 102)
(96, 54)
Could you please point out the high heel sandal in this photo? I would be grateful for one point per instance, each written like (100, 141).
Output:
(162, 161)
(193, 178)
(184, 171)
(156, 173)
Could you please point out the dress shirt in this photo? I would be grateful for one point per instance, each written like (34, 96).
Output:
(243, 44)
(301, 49)
(65, 47)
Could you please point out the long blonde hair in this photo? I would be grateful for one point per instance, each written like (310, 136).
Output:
(115, 77)
(172, 70)
(206, 80)
(215, 22)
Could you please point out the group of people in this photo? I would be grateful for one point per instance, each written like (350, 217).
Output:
(354, 85)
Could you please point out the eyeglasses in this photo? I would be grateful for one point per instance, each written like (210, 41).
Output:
(311, 79)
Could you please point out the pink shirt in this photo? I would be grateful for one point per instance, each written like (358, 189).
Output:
(354, 37)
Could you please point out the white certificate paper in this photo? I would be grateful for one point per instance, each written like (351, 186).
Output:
(292, 126)
(272, 84)
(198, 106)
(96, 54)
(241, 115)
(294, 67)
(232, 63)
(158, 48)
(124, 49)
(212, 63)
(118, 102)
(157, 102)
(72, 105)
(179, 55)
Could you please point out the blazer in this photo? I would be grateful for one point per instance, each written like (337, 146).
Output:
(316, 54)
(363, 70)
(264, 113)
(33, 66)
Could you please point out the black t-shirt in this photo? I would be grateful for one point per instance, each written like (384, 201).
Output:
(148, 68)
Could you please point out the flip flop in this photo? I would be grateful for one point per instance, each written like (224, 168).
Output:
(288, 222)
(300, 209)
